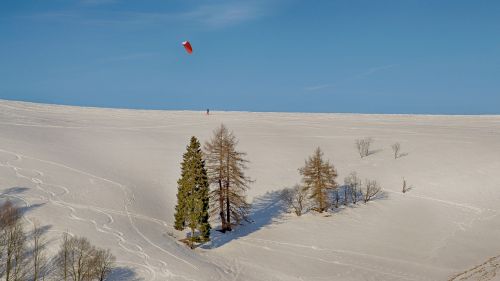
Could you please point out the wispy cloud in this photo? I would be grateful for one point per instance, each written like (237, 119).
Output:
(368, 72)
(212, 16)
(223, 15)
(376, 69)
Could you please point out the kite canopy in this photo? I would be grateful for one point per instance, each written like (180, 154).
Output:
(187, 46)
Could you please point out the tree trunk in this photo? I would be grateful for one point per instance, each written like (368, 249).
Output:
(228, 210)
(221, 205)
(9, 260)
(345, 195)
(36, 253)
(192, 238)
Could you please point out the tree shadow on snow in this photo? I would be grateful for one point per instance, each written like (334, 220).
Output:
(27, 208)
(402, 155)
(44, 229)
(265, 210)
(12, 194)
(375, 151)
(13, 191)
(268, 209)
(382, 195)
(123, 274)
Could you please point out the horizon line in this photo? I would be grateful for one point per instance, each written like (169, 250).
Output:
(243, 111)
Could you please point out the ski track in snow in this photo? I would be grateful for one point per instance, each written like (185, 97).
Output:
(110, 231)
(152, 270)
(468, 207)
(344, 255)
(315, 248)
(461, 226)
(362, 266)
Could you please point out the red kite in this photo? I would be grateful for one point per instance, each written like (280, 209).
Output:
(188, 47)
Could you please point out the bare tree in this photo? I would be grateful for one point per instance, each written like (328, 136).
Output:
(371, 190)
(61, 260)
(73, 258)
(363, 146)
(353, 186)
(9, 218)
(79, 260)
(318, 176)
(396, 148)
(39, 261)
(14, 258)
(225, 169)
(102, 264)
(3, 240)
(295, 198)
(20, 262)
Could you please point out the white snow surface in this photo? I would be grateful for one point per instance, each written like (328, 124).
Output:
(110, 175)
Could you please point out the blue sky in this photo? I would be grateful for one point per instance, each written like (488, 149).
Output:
(404, 56)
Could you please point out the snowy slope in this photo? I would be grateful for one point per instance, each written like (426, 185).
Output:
(110, 175)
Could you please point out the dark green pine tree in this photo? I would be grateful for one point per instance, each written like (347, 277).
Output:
(192, 196)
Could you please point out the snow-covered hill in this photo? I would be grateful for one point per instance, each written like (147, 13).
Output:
(110, 175)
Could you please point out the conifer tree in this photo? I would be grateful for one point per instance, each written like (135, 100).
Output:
(226, 168)
(192, 195)
(318, 176)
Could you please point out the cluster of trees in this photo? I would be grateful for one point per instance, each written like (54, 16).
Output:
(319, 190)
(213, 184)
(23, 256)
(363, 147)
(78, 260)
(222, 167)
